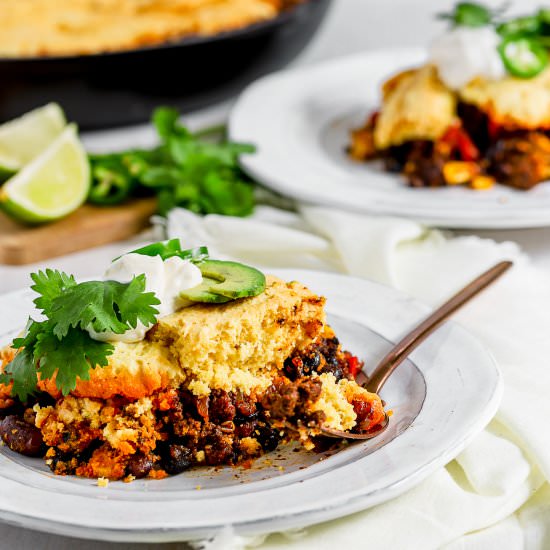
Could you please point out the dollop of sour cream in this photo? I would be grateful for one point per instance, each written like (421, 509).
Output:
(165, 278)
(463, 53)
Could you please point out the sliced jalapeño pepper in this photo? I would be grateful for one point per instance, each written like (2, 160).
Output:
(109, 185)
(523, 57)
(521, 26)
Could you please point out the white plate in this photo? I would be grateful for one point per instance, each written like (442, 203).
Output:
(300, 120)
(441, 399)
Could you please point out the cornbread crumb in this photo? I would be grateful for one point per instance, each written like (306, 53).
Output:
(200, 456)
(334, 403)
(102, 482)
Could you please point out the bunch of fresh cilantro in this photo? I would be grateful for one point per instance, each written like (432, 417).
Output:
(60, 345)
(185, 170)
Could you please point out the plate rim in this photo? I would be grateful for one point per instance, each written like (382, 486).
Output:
(308, 517)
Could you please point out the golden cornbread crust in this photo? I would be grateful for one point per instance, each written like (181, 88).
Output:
(240, 345)
(416, 105)
(512, 102)
(77, 27)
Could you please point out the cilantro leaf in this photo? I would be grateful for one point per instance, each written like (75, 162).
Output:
(50, 284)
(168, 249)
(22, 372)
(70, 358)
(103, 306)
(134, 304)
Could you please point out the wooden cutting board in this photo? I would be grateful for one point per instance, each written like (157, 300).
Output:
(89, 226)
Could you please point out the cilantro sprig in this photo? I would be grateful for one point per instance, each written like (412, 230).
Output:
(172, 247)
(60, 346)
(187, 169)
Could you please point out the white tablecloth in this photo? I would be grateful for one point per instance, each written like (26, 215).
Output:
(353, 25)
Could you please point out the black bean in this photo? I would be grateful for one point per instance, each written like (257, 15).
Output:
(313, 360)
(140, 465)
(21, 437)
(268, 438)
(176, 459)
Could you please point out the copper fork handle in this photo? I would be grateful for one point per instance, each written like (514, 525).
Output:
(412, 340)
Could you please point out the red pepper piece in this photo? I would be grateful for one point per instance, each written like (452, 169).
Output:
(460, 141)
(354, 365)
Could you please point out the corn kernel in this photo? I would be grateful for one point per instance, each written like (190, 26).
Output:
(457, 172)
(480, 183)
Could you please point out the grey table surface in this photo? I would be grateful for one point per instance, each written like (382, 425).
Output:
(352, 26)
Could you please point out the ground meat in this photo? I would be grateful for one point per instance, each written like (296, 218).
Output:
(281, 398)
(424, 165)
(245, 406)
(290, 399)
(221, 406)
(521, 159)
(245, 428)
(218, 447)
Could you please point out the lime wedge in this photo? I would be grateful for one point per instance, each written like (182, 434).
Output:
(52, 185)
(26, 137)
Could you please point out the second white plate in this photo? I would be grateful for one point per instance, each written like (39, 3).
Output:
(300, 121)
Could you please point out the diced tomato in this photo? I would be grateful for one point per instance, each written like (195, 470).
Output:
(354, 365)
(457, 138)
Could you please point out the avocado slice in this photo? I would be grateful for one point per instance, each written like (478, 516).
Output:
(224, 281)
(236, 280)
(201, 293)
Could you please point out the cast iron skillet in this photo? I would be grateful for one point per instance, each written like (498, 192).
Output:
(120, 88)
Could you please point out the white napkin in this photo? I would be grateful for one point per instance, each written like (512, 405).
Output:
(496, 493)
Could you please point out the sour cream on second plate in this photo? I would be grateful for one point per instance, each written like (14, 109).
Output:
(165, 278)
(463, 53)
